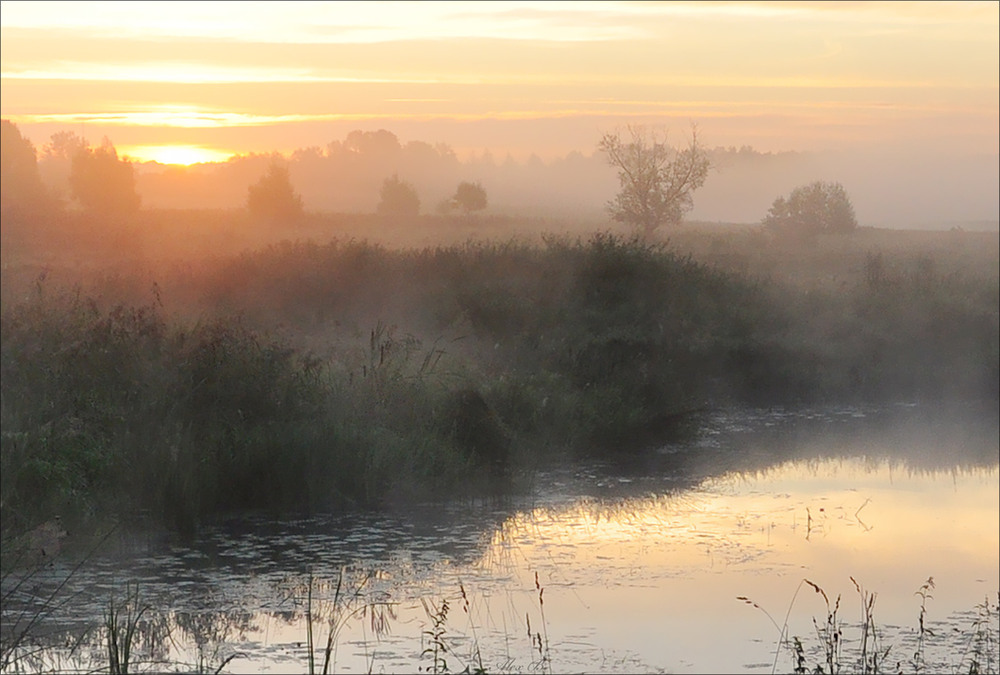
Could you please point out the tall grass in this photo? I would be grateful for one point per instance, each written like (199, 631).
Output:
(869, 653)
(306, 376)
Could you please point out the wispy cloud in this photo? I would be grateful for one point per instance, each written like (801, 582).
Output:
(191, 119)
(330, 22)
(205, 73)
(187, 73)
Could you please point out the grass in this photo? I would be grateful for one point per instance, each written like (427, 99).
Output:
(134, 635)
(345, 605)
(32, 592)
(982, 651)
(541, 639)
(868, 653)
(348, 374)
(923, 632)
(122, 630)
(437, 647)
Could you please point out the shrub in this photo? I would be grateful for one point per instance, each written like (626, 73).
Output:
(470, 197)
(398, 198)
(817, 208)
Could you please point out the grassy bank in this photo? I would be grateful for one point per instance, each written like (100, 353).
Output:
(304, 376)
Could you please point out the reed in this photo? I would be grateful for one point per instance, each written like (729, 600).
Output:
(477, 666)
(22, 571)
(979, 653)
(326, 370)
(541, 640)
(871, 659)
(121, 630)
(924, 592)
(437, 646)
(346, 604)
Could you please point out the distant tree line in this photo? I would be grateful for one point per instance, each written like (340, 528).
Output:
(657, 182)
(98, 181)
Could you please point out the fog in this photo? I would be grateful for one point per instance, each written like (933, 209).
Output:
(908, 190)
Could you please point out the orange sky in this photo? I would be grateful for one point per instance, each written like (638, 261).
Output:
(516, 77)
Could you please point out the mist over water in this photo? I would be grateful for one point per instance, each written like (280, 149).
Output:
(636, 566)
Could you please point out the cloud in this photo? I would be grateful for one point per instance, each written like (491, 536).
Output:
(191, 119)
(328, 22)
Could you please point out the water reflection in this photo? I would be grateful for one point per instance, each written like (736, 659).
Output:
(634, 565)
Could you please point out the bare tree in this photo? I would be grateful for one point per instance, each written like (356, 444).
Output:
(656, 179)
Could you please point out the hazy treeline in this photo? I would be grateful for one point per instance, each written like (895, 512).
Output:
(345, 176)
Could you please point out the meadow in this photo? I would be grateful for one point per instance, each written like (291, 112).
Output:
(195, 363)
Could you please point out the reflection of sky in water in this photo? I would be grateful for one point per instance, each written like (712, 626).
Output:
(640, 567)
(660, 576)
(647, 583)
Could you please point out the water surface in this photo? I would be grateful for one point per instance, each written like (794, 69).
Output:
(687, 558)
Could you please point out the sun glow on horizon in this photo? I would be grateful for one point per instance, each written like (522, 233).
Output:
(183, 155)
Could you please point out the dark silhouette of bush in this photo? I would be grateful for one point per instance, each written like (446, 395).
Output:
(470, 197)
(398, 198)
(477, 432)
(817, 208)
(272, 197)
(102, 183)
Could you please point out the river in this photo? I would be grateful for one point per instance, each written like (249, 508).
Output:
(839, 530)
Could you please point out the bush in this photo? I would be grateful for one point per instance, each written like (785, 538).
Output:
(817, 208)
(470, 197)
(398, 198)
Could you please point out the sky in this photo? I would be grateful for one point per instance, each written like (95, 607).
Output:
(199, 81)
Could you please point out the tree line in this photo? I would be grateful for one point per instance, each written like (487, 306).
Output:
(657, 181)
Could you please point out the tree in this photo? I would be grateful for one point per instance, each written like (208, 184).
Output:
(102, 183)
(272, 197)
(21, 189)
(656, 179)
(470, 197)
(56, 162)
(398, 198)
(372, 144)
(817, 208)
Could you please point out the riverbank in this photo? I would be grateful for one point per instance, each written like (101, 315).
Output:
(311, 376)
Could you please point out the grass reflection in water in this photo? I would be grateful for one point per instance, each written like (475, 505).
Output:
(611, 572)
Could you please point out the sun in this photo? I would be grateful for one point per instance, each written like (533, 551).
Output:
(185, 155)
